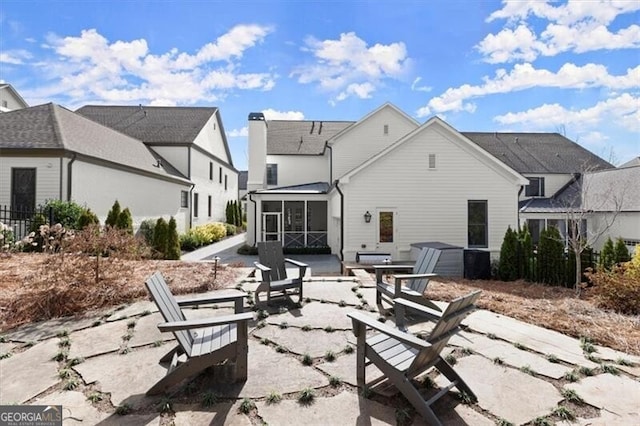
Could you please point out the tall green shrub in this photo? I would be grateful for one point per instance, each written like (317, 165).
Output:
(621, 253)
(113, 215)
(173, 241)
(508, 266)
(146, 230)
(87, 218)
(161, 237)
(238, 214)
(65, 213)
(125, 221)
(525, 260)
(551, 262)
(608, 255)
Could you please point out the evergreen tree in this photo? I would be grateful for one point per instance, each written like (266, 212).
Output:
(508, 266)
(526, 254)
(160, 237)
(551, 262)
(621, 251)
(87, 218)
(125, 221)
(173, 241)
(608, 255)
(113, 215)
(238, 214)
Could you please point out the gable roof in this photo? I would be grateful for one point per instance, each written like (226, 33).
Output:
(538, 152)
(633, 162)
(157, 125)
(610, 190)
(301, 137)
(471, 147)
(14, 92)
(52, 127)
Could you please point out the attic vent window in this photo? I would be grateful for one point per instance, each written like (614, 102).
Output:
(432, 161)
(385, 129)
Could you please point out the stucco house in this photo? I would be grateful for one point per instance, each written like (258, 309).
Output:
(10, 99)
(385, 182)
(189, 139)
(49, 152)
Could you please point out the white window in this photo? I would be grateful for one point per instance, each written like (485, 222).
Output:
(385, 129)
(535, 187)
(432, 161)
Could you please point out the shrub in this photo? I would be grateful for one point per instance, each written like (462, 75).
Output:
(508, 266)
(607, 256)
(160, 237)
(551, 263)
(66, 213)
(525, 259)
(7, 238)
(38, 220)
(87, 218)
(146, 230)
(621, 253)
(124, 221)
(113, 215)
(619, 289)
(173, 242)
(188, 242)
(231, 229)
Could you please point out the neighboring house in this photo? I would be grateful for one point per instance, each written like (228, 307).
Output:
(10, 99)
(49, 152)
(242, 189)
(378, 184)
(633, 162)
(385, 182)
(192, 140)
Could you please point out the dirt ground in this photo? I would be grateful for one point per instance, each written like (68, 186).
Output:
(36, 286)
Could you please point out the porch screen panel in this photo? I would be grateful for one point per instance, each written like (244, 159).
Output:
(294, 224)
(317, 224)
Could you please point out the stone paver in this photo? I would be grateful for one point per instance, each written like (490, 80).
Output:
(131, 420)
(134, 309)
(609, 354)
(507, 393)
(336, 292)
(460, 415)
(510, 355)
(272, 371)
(126, 377)
(47, 329)
(314, 342)
(98, 340)
(317, 315)
(224, 414)
(539, 339)
(146, 331)
(25, 375)
(605, 419)
(5, 348)
(76, 410)
(346, 408)
(619, 395)
(344, 367)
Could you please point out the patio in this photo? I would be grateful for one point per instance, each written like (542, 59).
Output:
(507, 362)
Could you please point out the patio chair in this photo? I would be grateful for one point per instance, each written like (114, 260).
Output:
(204, 342)
(402, 357)
(274, 274)
(415, 283)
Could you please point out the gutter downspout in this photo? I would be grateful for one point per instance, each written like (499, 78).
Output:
(193, 185)
(69, 170)
(326, 144)
(255, 219)
(341, 219)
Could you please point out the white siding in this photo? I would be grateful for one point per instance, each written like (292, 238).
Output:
(552, 182)
(206, 187)
(210, 139)
(367, 139)
(177, 156)
(625, 226)
(300, 169)
(48, 172)
(431, 205)
(98, 187)
(12, 102)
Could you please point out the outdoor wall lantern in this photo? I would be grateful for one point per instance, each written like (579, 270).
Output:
(367, 217)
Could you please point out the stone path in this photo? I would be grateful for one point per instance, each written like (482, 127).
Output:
(105, 363)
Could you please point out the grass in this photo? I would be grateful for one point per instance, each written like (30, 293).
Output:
(586, 345)
(520, 346)
(564, 413)
(451, 360)
(348, 349)
(329, 329)
(281, 349)
(64, 343)
(95, 397)
(131, 324)
(497, 360)
(145, 313)
(342, 303)
(5, 355)
(208, 399)
(465, 398)
(625, 362)
(553, 359)
(306, 327)
(283, 325)
(608, 368)
(158, 343)
(335, 381)
(492, 336)
(165, 405)
(75, 361)
(61, 355)
(504, 422)
(247, 405)
(306, 396)
(542, 421)
(571, 376)
(428, 383)
(273, 398)
(64, 373)
(261, 324)
(572, 396)
(71, 384)
(527, 370)
(123, 410)
(586, 371)
(307, 360)
(330, 356)
(403, 415)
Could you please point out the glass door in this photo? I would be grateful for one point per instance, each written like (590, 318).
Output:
(387, 231)
(271, 226)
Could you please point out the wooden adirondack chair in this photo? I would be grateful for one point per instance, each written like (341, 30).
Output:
(402, 357)
(204, 342)
(274, 274)
(415, 283)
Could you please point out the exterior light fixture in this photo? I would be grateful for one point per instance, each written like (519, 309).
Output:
(367, 217)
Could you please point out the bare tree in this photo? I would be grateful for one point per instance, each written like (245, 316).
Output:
(592, 204)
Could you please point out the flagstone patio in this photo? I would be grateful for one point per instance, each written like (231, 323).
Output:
(518, 371)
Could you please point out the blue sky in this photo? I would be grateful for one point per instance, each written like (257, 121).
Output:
(571, 67)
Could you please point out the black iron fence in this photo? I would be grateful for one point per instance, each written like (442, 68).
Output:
(23, 221)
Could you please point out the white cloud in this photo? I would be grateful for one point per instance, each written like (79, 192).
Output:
(349, 67)
(576, 26)
(272, 114)
(415, 87)
(14, 57)
(525, 76)
(239, 133)
(92, 67)
(622, 110)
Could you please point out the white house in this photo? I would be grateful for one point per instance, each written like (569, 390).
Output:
(385, 182)
(10, 99)
(192, 141)
(49, 152)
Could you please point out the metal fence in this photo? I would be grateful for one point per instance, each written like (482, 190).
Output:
(22, 221)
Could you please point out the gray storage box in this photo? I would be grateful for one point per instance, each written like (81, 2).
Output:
(451, 262)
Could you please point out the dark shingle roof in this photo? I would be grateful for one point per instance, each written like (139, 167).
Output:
(633, 162)
(315, 187)
(288, 137)
(178, 125)
(243, 176)
(567, 197)
(538, 152)
(612, 190)
(52, 127)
